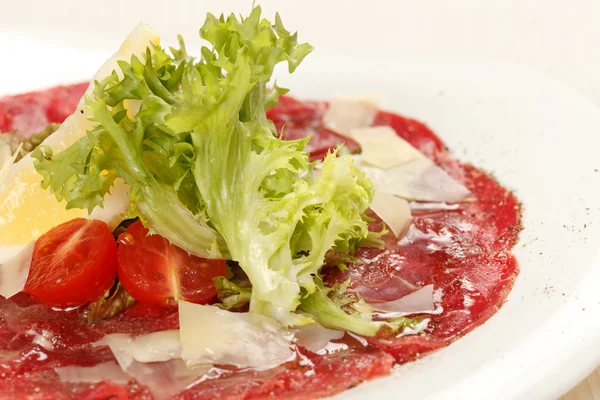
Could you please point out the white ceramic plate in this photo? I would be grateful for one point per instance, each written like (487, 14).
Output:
(537, 136)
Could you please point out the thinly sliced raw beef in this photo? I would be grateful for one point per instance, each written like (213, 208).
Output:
(32, 112)
(463, 250)
(27, 363)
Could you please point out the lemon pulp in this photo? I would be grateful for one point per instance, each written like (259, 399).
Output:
(26, 210)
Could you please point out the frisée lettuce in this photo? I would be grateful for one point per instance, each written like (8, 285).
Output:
(208, 171)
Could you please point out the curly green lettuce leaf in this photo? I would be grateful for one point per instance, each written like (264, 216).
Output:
(336, 307)
(330, 307)
(208, 171)
(231, 294)
(153, 162)
(114, 300)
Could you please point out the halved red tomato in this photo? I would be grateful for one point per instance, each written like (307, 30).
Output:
(73, 263)
(156, 272)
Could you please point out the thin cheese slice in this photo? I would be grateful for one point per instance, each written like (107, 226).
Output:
(14, 271)
(152, 347)
(383, 148)
(344, 115)
(211, 335)
(396, 167)
(315, 337)
(393, 210)
(167, 378)
(420, 180)
(420, 301)
(154, 361)
(104, 371)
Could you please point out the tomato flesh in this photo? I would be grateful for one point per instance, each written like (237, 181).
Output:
(73, 263)
(156, 272)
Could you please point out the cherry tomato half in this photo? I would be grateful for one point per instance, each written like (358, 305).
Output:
(156, 272)
(73, 263)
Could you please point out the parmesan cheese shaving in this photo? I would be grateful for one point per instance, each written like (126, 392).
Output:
(315, 337)
(420, 180)
(168, 378)
(14, 271)
(383, 148)
(211, 335)
(154, 361)
(417, 302)
(344, 115)
(94, 374)
(152, 347)
(398, 168)
(393, 210)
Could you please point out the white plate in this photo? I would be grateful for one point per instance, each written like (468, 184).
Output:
(537, 136)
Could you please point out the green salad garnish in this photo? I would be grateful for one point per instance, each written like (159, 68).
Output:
(209, 172)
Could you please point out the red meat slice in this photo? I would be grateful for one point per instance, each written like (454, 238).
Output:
(464, 252)
(32, 112)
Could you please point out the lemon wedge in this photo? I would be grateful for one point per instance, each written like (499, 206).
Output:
(26, 210)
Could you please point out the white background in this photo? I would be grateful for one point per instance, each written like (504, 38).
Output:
(561, 38)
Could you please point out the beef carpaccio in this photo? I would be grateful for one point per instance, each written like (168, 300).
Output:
(462, 249)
